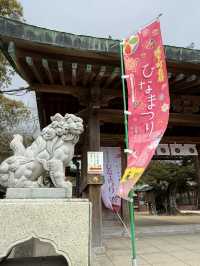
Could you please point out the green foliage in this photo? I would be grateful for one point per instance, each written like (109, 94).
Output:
(6, 73)
(13, 115)
(160, 173)
(12, 9)
(167, 179)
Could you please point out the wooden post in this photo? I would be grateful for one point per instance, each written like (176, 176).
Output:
(91, 184)
(84, 164)
(95, 182)
(39, 107)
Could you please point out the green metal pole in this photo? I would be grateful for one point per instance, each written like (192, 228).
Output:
(132, 226)
(131, 193)
(124, 95)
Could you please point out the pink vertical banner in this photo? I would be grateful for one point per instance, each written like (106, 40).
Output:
(112, 174)
(148, 100)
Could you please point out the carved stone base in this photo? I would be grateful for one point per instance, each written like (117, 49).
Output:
(64, 223)
(39, 193)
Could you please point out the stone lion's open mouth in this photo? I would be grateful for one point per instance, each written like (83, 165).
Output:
(69, 136)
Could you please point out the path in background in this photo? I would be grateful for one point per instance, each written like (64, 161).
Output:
(148, 225)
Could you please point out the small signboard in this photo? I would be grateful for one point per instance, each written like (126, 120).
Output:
(95, 162)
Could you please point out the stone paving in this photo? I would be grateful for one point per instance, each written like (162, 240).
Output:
(161, 240)
(172, 250)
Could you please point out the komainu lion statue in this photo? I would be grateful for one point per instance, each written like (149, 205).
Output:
(48, 155)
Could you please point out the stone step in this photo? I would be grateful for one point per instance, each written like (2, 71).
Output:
(114, 230)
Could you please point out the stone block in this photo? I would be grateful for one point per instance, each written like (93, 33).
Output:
(64, 223)
(38, 193)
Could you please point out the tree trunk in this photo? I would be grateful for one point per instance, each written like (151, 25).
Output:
(197, 165)
(171, 199)
(189, 198)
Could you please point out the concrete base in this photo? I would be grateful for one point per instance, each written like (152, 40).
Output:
(38, 193)
(63, 223)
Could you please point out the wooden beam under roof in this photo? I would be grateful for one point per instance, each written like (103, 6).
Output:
(169, 75)
(116, 116)
(70, 90)
(74, 73)
(61, 72)
(31, 64)
(183, 67)
(187, 85)
(70, 55)
(119, 138)
(100, 74)
(178, 78)
(45, 64)
(115, 73)
(107, 94)
(181, 139)
(76, 91)
(195, 90)
(191, 78)
(14, 57)
(87, 74)
(179, 119)
(193, 98)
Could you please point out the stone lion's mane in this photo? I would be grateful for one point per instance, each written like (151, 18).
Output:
(64, 127)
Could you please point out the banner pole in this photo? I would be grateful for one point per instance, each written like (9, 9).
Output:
(131, 193)
(132, 226)
(124, 95)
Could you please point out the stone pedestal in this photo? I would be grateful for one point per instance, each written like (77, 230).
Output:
(64, 223)
(39, 193)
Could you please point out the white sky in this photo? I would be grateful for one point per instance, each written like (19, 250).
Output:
(180, 22)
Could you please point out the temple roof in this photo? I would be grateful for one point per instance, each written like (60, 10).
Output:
(47, 57)
(13, 29)
(57, 63)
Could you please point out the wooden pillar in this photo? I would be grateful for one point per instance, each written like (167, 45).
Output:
(95, 181)
(91, 184)
(84, 164)
(39, 107)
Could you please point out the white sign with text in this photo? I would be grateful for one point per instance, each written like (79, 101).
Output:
(95, 162)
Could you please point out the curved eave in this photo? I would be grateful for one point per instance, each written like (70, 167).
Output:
(16, 29)
(13, 29)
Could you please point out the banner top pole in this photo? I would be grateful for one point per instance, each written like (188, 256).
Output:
(146, 24)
